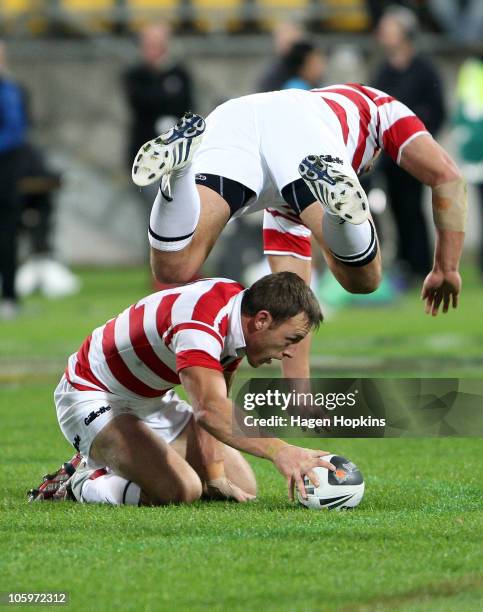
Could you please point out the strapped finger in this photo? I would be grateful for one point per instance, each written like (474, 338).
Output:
(455, 300)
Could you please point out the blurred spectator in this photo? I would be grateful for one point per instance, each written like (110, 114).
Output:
(468, 121)
(158, 90)
(275, 75)
(13, 125)
(411, 78)
(304, 65)
(37, 184)
(375, 8)
(462, 20)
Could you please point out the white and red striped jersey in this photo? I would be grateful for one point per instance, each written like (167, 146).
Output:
(368, 120)
(140, 353)
(363, 120)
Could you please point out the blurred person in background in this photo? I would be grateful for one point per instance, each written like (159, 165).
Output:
(462, 20)
(13, 127)
(468, 122)
(305, 66)
(277, 73)
(376, 8)
(412, 79)
(158, 89)
(40, 270)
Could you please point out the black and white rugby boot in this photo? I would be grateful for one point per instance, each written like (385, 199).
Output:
(339, 193)
(172, 150)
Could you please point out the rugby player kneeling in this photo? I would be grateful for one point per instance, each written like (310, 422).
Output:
(137, 442)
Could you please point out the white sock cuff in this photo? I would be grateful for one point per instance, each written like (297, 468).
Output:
(111, 489)
(353, 245)
(163, 243)
(173, 220)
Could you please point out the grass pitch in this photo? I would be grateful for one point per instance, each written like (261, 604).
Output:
(415, 543)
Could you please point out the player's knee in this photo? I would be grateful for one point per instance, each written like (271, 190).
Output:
(370, 283)
(187, 489)
(184, 490)
(171, 270)
(190, 490)
(364, 282)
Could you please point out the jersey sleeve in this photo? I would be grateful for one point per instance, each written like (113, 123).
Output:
(196, 344)
(398, 125)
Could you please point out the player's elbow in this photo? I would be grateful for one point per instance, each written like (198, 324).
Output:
(207, 416)
(446, 172)
(368, 279)
(204, 416)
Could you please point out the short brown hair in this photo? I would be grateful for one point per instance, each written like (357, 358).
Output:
(284, 295)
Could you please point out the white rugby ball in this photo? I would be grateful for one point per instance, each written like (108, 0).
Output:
(343, 488)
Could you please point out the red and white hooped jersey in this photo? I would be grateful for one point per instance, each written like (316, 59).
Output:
(369, 119)
(365, 120)
(140, 353)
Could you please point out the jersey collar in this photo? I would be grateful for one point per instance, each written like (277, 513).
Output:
(236, 339)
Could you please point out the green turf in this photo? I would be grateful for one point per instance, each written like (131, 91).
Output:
(415, 543)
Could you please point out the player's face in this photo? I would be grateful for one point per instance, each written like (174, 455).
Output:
(267, 341)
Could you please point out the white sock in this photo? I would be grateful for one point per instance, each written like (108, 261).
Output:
(354, 245)
(110, 489)
(173, 222)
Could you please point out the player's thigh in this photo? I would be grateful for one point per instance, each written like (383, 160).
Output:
(289, 263)
(214, 215)
(131, 449)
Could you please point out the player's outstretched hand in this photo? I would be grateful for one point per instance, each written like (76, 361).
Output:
(294, 463)
(222, 488)
(440, 288)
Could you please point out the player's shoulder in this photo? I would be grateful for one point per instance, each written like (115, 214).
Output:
(211, 296)
(215, 286)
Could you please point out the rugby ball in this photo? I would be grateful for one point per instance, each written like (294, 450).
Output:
(337, 490)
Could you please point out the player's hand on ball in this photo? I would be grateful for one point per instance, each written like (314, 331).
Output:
(223, 488)
(440, 288)
(294, 463)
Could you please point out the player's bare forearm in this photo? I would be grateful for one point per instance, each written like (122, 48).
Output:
(210, 452)
(428, 162)
(213, 412)
(211, 407)
(448, 249)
